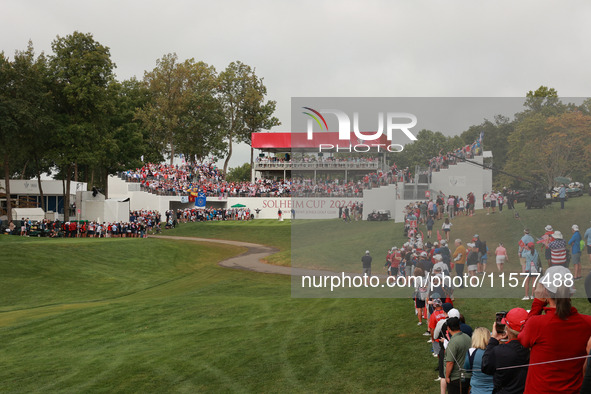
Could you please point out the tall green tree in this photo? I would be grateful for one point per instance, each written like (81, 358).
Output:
(184, 114)
(243, 99)
(8, 125)
(34, 113)
(82, 70)
(258, 114)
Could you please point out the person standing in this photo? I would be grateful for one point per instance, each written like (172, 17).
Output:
(366, 264)
(455, 357)
(562, 195)
(532, 266)
(504, 350)
(523, 245)
(459, 257)
(558, 250)
(575, 242)
(480, 383)
(587, 238)
(430, 223)
(561, 333)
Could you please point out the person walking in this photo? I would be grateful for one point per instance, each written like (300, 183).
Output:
(366, 264)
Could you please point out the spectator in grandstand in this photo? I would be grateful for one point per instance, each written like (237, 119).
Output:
(480, 383)
(503, 351)
(559, 334)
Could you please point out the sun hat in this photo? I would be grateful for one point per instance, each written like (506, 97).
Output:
(367, 252)
(548, 228)
(575, 227)
(515, 319)
(557, 235)
(438, 257)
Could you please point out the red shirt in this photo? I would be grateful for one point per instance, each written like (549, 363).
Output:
(551, 338)
(435, 317)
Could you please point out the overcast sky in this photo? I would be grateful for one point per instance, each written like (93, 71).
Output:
(334, 48)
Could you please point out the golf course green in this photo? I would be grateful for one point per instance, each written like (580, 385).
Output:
(158, 315)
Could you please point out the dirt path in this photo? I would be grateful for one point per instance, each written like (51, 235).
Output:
(251, 259)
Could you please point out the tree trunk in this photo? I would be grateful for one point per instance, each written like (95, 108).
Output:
(229, 155)
(106, 189)
(92, 178)
(251, 157)
(75, 172)
(39, 183)
(171, 153)
(67, 194)
(24, 170)
(7, 188)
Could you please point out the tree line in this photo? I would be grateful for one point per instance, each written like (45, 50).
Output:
(66, 112)
(548, 139)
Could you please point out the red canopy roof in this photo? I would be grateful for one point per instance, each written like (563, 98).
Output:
(285, 141)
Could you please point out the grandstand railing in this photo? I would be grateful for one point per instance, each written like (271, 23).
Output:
(361, 165)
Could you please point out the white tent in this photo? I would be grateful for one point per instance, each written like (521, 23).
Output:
(34, 214)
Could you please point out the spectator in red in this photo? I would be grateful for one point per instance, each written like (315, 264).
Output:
(559, 334)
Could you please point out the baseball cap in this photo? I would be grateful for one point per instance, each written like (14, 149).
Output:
(438, 257)
(423, 254)
(475, 235)
(453, 313)
(515, 319)
(556, 274)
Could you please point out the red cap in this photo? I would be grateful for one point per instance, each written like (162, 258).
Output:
(515, 319)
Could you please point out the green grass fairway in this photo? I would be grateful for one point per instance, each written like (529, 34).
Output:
(155, 315)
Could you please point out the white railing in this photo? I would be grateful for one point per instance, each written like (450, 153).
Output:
(361, 165)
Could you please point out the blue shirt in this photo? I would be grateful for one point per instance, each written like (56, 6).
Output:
(576, 242)
(481, 383)
(587, 236)
(562, 192)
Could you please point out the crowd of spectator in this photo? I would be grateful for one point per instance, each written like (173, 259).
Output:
(540, 350)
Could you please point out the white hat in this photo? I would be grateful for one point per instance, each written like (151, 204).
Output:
(443, 242)
(437, 257)
(423, 254)
(394, 247)
(548, 228)
(453, 312)
(470, 245)
(557, 235)
(435, 243)
(575, 227)
(367, 252)
(554, 275)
